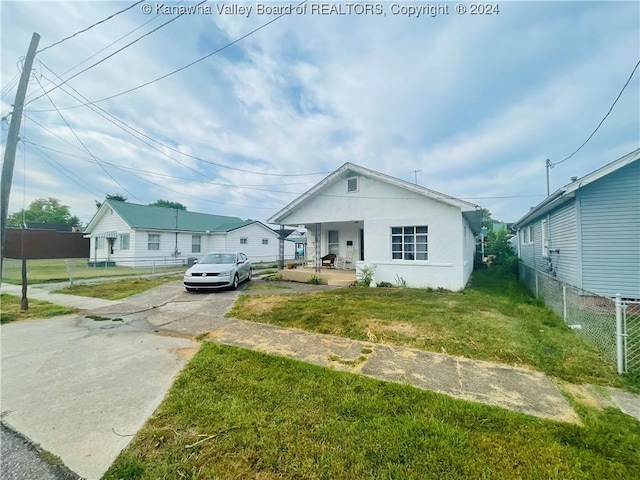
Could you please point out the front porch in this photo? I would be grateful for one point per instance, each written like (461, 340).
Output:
(329, 276)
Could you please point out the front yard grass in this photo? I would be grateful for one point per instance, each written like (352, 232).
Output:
(10, 309)
(116, 290)
(495, 319)
(238, 414)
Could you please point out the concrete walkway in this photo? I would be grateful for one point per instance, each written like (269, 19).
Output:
(170, 310)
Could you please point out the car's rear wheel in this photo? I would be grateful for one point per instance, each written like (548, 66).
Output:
(250, 275)
(236, 281)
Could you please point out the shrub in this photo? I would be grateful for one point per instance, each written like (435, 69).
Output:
(366, 275)
(314, 280)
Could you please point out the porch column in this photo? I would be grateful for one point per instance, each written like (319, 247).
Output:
(281, 248)
(318, 260)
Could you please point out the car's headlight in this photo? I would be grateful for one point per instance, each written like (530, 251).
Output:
(187, 274)
(225, 274)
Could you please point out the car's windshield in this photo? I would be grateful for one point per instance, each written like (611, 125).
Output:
(219, 258)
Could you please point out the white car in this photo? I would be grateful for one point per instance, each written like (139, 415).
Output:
(218, 270)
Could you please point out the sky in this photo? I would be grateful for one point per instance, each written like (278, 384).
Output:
(474, 103)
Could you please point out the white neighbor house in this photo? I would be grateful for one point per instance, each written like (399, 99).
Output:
(134, 235)
(403, 230)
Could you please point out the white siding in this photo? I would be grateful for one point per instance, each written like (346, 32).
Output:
(376, 207)
(254, 249)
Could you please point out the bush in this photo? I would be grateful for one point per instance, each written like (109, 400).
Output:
(314, 280)
(366, 275)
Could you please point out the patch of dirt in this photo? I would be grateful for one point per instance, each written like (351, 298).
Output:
(380, 328)
(186, 353)
(262, 304)
(586, 396)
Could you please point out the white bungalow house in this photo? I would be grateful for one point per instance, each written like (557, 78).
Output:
(587, 233)
(134, 235)
(401, 230)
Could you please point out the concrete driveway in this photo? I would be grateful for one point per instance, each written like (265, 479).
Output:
(82, 388)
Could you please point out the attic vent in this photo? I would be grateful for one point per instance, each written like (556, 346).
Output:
(352, 184)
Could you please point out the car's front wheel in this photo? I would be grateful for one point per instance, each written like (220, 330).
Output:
(236, 281)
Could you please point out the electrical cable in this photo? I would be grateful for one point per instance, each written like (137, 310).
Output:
(114, 53)
(122, 123)
(89, 27)
(85, 147)
(188, 65)
(601, 121)
(102, 50)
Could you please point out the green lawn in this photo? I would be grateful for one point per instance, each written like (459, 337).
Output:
(57, 270)
(118, 289)
(10, 309)
(495, 319)
(237, 414)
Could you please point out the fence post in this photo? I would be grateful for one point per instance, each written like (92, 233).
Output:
(564, 303)
(535, 272)
(69, 272)
(619, 335)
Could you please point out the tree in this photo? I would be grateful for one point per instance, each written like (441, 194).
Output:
(498, 245)
(112, 196)
(486, 217)
(42, 210)
(168, 204)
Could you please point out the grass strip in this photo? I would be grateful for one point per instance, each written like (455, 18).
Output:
(238, 414)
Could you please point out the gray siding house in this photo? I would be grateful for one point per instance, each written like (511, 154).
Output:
(587, 233)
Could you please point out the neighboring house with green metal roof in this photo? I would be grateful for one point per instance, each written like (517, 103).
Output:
(135, 235)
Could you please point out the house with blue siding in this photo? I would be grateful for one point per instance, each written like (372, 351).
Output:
(587, 233)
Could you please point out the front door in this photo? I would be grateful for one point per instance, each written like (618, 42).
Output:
(361, 245)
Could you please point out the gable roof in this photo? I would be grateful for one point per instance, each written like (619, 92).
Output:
(148, 217)
(567, 192)
(366, 172)
(468, 209)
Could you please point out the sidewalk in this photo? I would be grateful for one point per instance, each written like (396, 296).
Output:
(81, 303)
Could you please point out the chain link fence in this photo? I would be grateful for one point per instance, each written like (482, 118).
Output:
(611, 325)
(631, 321)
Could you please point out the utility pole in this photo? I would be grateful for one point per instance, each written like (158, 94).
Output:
(548, 165)
(12, 141)
(415, 173)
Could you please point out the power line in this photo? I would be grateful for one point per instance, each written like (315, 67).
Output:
(89, 27)
(186, 66)
(605, 117)
(12, 83)
(257, 186)
(85, 147)
(116, 52)
(122, 124)
(58, 166)
(105, 48)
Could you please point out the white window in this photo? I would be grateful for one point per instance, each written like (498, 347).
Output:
(409, 243)
(265, 241)
(153, 241)
(530, 233)
(352, 184)
(545, 241)
(99, 243)
(332, 241)
(196, 242)
(523, 235)
(124, 241)
(244, 240)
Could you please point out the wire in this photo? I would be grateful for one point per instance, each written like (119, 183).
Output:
(114, 53)
(256, 186)
(79, 183)
(89, 27)
(605, 117)
(102, 50)
(85, 147)
(122, 124)
(10, 85)
(188, 65)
